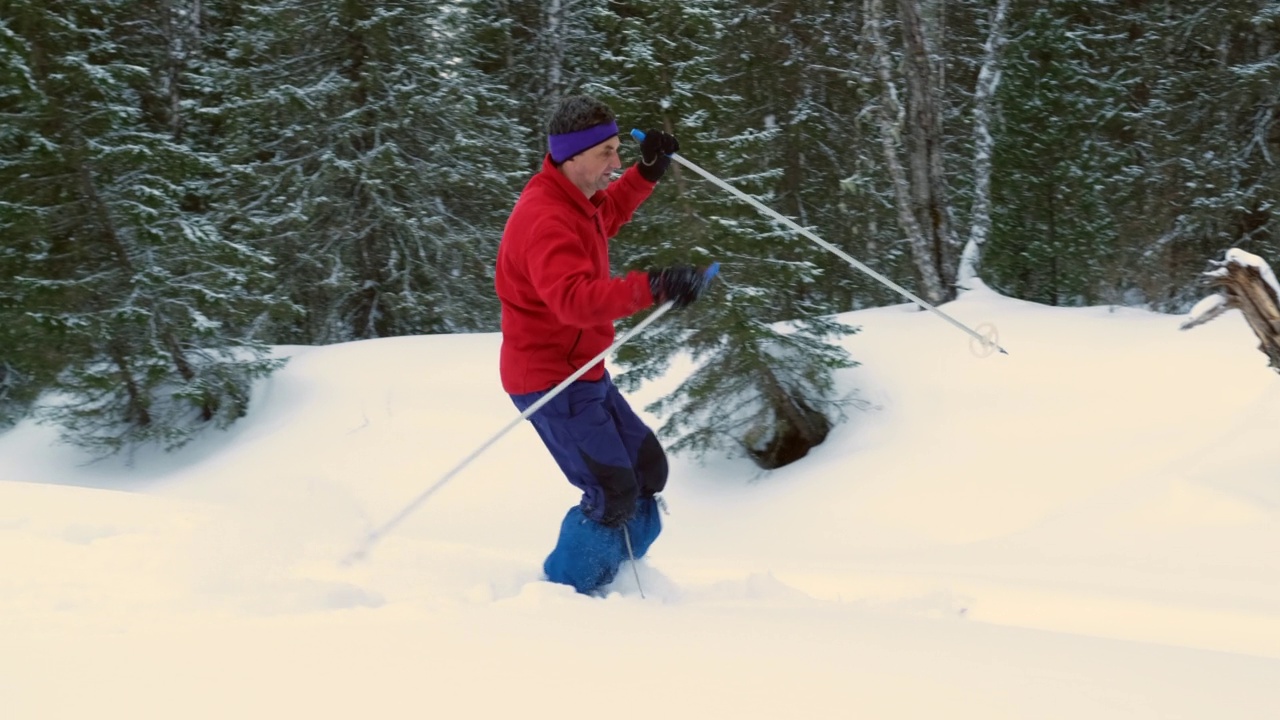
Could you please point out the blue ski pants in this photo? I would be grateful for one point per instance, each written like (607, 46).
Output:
(606, 451)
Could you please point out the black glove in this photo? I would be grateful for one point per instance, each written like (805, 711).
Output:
(682, 284)
(655, 154)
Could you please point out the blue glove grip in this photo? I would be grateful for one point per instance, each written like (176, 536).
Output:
(711, 270)
(639, 134)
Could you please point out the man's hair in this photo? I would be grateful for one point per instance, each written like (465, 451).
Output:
(578, 112)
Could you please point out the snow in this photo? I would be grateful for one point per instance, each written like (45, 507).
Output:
(1209, 305)
(1236, 256)
(1085, 528)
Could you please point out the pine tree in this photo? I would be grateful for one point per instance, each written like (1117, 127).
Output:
(805, 83)
(761, 387)
(123, 268)
(374, 162)
(1200, 120)
(539, 51)
(1136, 141)
(26, 363)
(1053, 238)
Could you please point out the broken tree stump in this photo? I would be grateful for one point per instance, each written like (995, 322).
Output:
(1246, 283)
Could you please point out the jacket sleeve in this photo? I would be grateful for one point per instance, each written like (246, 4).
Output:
(561, 272)
(621, 199)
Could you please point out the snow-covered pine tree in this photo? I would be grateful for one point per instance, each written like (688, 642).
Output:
(374, 162)
(805, 81)
(1135, 141)
(29, 361)
(1053, 238)
(764, 348)
(1201, 126)
(539, 51)
(123, 265)
(26, 363)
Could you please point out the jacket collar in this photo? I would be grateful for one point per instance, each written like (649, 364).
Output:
(587, 205)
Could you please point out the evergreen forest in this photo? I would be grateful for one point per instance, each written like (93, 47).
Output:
(186, 185)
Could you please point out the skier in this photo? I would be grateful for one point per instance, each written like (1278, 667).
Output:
(559, 302)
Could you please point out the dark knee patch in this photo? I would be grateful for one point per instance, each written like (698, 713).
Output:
(651, 465)
(618, 488)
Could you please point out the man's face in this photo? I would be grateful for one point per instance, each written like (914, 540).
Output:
(592, 169)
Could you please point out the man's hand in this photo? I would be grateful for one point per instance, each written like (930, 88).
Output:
(681, 284)
(655, 154)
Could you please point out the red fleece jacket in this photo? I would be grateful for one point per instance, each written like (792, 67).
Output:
(558, 298)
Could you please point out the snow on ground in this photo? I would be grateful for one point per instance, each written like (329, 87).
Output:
(1086, 528)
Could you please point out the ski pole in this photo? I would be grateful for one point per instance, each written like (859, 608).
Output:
(986, 342)
(362, 550)
(626, 535)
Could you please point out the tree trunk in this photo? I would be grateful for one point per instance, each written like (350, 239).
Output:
(180, 25)
(925, 151)
(555, 58)
(988, 81)
(891, 121)
(137, 406)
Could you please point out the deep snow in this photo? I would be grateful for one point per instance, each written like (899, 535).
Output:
(1086, 528)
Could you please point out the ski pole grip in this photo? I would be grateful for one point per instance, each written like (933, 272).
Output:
(639, 135)
(711, 271)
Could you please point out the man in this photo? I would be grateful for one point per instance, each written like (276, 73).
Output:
(559, 302)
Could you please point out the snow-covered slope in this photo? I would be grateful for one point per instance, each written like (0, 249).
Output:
(1084, 528)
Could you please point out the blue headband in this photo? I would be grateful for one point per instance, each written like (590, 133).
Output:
(567, 145)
